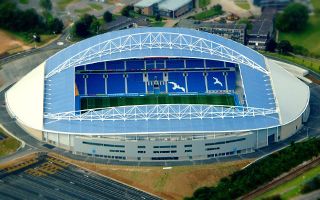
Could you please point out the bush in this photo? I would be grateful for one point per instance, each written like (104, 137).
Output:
(284, 47)
(297, 49)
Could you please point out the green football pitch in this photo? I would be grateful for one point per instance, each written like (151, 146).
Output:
(103, 102)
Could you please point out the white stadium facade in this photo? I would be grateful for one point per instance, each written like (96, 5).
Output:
(159, 94)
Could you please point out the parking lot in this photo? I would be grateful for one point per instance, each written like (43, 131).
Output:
(50, 178)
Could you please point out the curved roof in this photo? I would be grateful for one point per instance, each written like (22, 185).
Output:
(151, 42)
(57, 90)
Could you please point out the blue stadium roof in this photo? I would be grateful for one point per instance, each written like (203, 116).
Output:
(156, 42)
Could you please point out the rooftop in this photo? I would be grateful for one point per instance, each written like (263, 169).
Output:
(146, 3)
(172, 4)
(195, 24)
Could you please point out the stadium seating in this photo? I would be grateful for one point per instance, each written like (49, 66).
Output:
(176, 82)
(95, 66)
(95, 84)
(115, 84)
(175, 63)
(216, 81)
(134, 65)
(214, 64)
(195, 63)
(179, 79)
(196, 82)
(115, 65)
(231, 80)
(80, 83)
(135, 83)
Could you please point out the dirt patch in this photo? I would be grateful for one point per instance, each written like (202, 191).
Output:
(18, 160)
(174, 183)
(11, 44)
(230, 7)
(313, 79)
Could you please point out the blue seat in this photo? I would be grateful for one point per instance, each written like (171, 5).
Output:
(134, 65)
(95, 66)
(214, 64)
(95, 84)
(135, 83)
(195, 63)
(115, 84)
(231, 78)
(175, 63)
(216, 81)
(115, 65)
(176, 82)
(196, 82)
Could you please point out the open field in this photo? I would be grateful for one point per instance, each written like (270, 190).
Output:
(10, 43)
(8, 145)
(174, 183)
(310, 37)
(293, 187)
(242, 4)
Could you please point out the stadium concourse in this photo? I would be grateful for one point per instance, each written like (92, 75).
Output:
(159, 94)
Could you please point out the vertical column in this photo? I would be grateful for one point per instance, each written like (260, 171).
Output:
(85, 84)
(185, 63)
(186, 81)
(105, 83)
(225, 74)
(105, 66)
(206, 81)
(125, 83)
(204, 64)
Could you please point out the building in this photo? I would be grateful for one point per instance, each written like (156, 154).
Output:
(262, 30)
(278, 4)
(159, 94)
(165, 8)
(236, 32)
(122, 22)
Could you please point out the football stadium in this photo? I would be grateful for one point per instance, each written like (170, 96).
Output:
(159, 94)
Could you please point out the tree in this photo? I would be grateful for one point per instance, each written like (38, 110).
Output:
(294, 18)
(55, 26)
(86, 26)
(46, 4)
(284, 47)
(271, 45)
(107, 16)
(158, 18)
(126, 11)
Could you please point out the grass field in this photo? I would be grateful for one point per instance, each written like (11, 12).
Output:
(24, 1)
(174, 184)
(242, 4)
(82, 11)
(204, 3)
(8, 145)
(310, 63)
(103, 102)
(310, 37)
(207, 14)
(95, 6)
(293, 187)
(62, 4)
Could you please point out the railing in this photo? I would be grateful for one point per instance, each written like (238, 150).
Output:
(160, 112)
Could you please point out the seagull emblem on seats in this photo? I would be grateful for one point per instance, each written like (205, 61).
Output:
(176, 86)
(216, 81)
